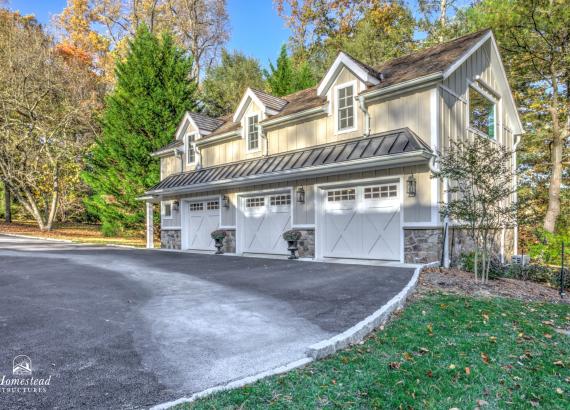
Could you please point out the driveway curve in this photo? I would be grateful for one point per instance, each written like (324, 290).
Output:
(130, 328)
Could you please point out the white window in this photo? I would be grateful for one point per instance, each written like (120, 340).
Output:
(255, 202)
(167, 210)
(482, 113)
(345, 108)
(382, 191)
(190, 150)
(341, 195)
(212, 205)
(280, 200)
(196, 206)
(252, 133)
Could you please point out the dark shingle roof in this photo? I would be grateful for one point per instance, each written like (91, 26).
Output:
(206, 123)
(270, 101)
(391, 143)
(168, 147)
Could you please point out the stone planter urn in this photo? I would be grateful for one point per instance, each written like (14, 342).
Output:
(292, 237)
(218, 236)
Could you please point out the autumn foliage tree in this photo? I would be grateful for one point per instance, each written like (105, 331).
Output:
(47, 106)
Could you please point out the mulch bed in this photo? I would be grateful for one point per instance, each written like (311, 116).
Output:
(459, 282)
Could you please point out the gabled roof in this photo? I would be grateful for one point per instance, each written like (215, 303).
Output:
(364, 72)
(261, 99)
(394, 143)
(203, 122)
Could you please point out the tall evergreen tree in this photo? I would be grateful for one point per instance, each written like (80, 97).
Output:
(285, 78)
(152, 93)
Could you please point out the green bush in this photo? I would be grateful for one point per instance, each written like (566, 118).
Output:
(539, 273)
(109, 229)
(548, 246)
(496, 269)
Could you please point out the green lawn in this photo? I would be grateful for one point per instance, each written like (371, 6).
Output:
(442, 352)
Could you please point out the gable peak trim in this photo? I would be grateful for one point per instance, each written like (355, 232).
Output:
(344, 60)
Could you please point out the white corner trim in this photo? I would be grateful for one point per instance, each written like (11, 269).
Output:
(343, 60)
(434, 139)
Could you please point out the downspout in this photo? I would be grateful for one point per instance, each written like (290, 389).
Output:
(515, 194)
(264, 137)
(435, 168)
(178, 154)
(364, 108)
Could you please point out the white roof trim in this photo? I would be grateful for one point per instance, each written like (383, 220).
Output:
(468, 53)
(185, 119)
(250, 95)
(343, 60)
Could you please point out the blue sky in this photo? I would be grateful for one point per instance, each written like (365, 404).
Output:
(250, 21)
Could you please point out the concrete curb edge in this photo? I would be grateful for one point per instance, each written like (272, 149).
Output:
(15, 235)
(357, 332)
(234, 384)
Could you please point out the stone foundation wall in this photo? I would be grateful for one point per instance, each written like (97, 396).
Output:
(460, 243)
(170, 239)
(422, 245)
(306, 244)
(229, 241)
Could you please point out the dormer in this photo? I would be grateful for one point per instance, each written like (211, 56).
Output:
(193, 127)
(254, 107)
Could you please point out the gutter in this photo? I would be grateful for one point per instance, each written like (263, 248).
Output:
(403, 86)
(165, 153)
(296, 116)
(218, 138)
(410, 158)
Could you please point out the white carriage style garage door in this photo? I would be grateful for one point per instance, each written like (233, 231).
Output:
(203, 218)
(362, 222)
(265, 218)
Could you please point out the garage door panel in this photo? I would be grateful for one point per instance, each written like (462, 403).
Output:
(362, 222)
(203, 219)
(265, 219)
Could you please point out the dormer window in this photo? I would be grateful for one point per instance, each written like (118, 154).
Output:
(190, 150)
(252, 133)
(345, 108)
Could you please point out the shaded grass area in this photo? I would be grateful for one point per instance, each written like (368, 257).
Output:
(441, 352)
(80, 233)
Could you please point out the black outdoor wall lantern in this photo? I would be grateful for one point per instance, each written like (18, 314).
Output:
(301, 195)
(411, 185)
(226, 201)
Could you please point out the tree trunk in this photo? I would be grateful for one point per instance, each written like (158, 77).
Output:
(556, 167)
(7, 204)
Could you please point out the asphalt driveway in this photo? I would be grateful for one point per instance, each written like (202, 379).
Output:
(127, 328)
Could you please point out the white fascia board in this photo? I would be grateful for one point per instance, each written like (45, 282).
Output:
(218, 138)
(298, 115)
(403, 86)
(166, 152)
(406, 159)
(503, 74)
(343, 60)
(249, 95)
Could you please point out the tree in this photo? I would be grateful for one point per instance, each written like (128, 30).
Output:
(152, 94)
(534, 37)
(479, 193)
(199, 26)
(224, 85)
(82, 40)
(435, 19)
(285, 78)
(47, 106)
(202, 27)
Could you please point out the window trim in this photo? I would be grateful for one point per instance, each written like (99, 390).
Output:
(494, 101)
(336, 89)
(163, 210)
(193, 145)
(256, 149)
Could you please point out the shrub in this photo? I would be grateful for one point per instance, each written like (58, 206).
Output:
(109, 229)
(292, 235)
(496, 268)
(218, 234)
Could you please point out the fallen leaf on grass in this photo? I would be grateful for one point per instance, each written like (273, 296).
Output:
(430, 329)
(485, 358)
(467, 371)
(407, 356)
(548, 322)
(559, 363)
(423, 350)
(493, 339)
(429, 373)
(482, 403)
(452, 366)
(534, 403)
(485, 317)
(548, 336)
(394, 365)
(559, 390)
